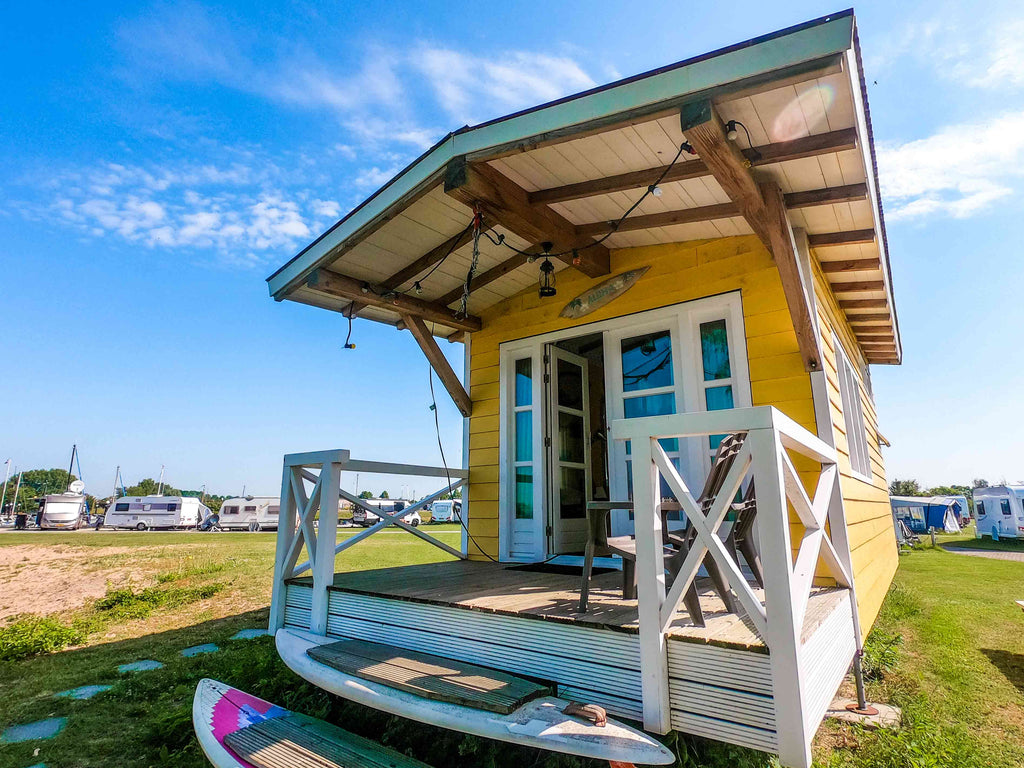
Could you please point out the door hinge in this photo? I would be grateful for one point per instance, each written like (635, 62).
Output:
(547, 442)
(547, 378)
(549, 531)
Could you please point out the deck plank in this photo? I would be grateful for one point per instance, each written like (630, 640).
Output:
(429, 676)
(500, 588)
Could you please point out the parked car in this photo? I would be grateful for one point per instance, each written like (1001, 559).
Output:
(361, 517)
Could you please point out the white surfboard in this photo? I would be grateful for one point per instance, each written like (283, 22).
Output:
(538, 723)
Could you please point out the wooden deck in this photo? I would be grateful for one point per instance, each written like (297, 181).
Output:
(504, 588)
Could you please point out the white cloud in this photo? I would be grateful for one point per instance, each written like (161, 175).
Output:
(981, 49)
(472, 88)
(959, 171)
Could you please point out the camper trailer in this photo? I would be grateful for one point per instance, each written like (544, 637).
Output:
(366, 518)
(923, 513)
(250, 513)
(999, 511)
(145, 512)
(62, 510)
(446, 511)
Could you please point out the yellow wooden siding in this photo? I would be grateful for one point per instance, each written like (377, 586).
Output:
(678, 272)
(868, 514)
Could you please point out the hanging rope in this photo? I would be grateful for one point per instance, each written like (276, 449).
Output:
(477, 228)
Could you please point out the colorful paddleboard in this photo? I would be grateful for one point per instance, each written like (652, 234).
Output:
(538, 723)
(281, 738)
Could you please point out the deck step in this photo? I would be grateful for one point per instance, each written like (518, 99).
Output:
(284, 742)
(429, 676)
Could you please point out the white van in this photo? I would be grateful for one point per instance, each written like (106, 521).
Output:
(62, 511)
(250, 513)
(145, 512)
(999, 511)
(446, 511)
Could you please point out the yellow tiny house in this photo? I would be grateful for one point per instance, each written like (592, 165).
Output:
(670, 290)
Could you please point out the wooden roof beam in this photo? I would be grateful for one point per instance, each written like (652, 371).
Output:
(850, 265)
(427, 260)
(514, 261)
(363, 292)
(850, 237)
(864, 304)
(506, 203)
(861, 286)
(807, 146)
(439, 363)
(806, 199)
(764, 208)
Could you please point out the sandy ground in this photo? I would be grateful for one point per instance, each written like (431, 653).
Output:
(52, 579)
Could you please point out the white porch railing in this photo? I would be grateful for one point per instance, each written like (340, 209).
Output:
(299, 526)
(778, 618)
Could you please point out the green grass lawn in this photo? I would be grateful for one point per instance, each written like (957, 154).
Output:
(959, 672)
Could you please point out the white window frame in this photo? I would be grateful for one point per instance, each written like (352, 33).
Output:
(850, 393)
(684, 321)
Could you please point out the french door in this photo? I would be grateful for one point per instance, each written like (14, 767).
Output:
(568, 441)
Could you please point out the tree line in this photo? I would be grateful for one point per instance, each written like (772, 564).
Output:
(36, 483)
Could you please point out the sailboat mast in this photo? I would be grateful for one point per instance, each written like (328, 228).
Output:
(71, 465)
(3, 496)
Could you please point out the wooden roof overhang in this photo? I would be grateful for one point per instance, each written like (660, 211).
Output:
(563, 171)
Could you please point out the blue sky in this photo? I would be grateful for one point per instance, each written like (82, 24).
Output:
(160, 160)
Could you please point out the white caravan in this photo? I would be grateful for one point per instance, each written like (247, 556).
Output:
(446, 511)
(250, 513)
(999, 511)
(144, 512)
(366, 519)
(62, 511)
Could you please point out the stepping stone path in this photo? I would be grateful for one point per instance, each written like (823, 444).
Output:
(140, 666)
(249, 634)
(41, 729)
(196, 650)
(84, 692)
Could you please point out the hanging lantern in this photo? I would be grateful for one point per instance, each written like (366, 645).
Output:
(547, 279)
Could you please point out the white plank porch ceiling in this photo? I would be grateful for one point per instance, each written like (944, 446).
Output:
(815, 106)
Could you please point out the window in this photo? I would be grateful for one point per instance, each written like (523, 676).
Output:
(251, 508)
(714, 349)
(172, 507)
(273, 509)
(120, 507)
(522, 441)
(230, 510)
(1004, 506)
(853, 414)
(979, 507)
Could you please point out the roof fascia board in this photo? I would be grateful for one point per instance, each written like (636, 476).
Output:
(828, 38)
(871, 178)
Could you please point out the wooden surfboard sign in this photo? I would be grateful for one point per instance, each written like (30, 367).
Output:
(539, 723)
(603, 293)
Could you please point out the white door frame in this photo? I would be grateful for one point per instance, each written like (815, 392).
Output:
(683, 320)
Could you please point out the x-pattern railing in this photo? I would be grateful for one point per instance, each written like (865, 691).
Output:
(298, 529)
(778, 618)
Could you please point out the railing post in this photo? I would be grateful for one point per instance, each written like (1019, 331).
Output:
(326, 539)
(650, 577)
(286, 525)
(783, 635)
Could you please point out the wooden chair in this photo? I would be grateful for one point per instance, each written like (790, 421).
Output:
(677, 544)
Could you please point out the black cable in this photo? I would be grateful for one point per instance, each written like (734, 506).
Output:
(444, 462)
(613, 226)
(348, 337)
(451, 250)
